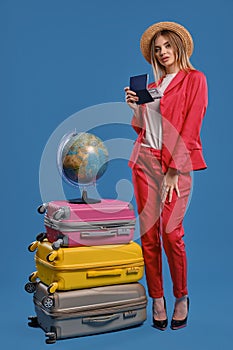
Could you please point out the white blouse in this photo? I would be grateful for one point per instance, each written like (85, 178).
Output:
(153, 117)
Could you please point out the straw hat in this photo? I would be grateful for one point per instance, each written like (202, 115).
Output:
(150, 32)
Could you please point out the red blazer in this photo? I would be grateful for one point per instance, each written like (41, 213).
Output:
(183, 107)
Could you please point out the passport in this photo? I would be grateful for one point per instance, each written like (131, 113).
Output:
(138, 84)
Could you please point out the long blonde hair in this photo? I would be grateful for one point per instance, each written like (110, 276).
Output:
(180, 54)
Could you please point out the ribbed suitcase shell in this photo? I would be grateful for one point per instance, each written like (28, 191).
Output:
(108, 222)
(89, 311)
(86, 267)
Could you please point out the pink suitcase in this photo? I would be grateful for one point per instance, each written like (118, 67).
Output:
(70, 224)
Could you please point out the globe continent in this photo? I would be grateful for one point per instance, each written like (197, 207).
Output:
(84, 158)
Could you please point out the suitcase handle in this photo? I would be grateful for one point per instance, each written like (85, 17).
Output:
(104, 273)
(101, 319)
(98, 234)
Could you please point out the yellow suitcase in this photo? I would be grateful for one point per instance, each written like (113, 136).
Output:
(86, 267)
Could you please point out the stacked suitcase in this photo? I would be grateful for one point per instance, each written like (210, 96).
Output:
(87, 270)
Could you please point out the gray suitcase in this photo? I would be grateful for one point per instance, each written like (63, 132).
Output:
(82, 312)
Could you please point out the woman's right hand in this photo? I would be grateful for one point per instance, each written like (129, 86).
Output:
(131, 98)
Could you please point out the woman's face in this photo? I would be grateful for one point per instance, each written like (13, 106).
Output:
(165, 54)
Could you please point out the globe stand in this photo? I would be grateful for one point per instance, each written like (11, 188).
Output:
(84, 199)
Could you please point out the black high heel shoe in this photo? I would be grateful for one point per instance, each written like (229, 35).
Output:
(161, 325)
(178, 324)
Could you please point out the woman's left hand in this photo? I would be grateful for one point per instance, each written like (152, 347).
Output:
(170, 183)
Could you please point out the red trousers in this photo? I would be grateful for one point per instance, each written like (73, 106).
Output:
(161, 223)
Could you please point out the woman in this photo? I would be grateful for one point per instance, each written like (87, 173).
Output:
(167, 149)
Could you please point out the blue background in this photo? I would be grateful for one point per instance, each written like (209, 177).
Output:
(61, 56)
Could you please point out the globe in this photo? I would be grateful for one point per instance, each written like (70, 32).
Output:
(82, 158)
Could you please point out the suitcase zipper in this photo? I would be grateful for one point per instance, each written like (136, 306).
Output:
(94, 310)
(132, 268)
(74, 226)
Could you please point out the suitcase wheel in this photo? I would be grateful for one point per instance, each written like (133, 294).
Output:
(33, 246)
(42, 208)
(48, 302)
(52, 288)
(62, 213)
(51, 256)
(33, 276)
(30, 287)
(52, 337)
(58, 244)
(41, 236)
(33, 322)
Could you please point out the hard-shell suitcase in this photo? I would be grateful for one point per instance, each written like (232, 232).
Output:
(70, 224)
(86, 267)
(88, 311)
